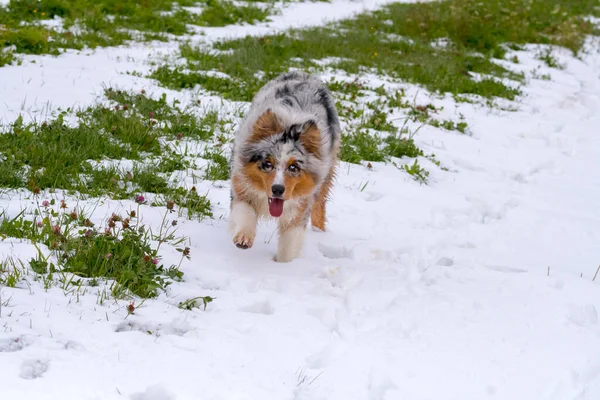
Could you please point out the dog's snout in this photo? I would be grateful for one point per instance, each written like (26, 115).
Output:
(278, 190)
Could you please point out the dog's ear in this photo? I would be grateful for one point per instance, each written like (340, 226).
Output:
(310, 137)
(266, 125)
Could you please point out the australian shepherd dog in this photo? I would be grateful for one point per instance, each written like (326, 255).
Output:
(284, 159)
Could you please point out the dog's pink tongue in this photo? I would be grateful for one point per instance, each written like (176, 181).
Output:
(276, 207)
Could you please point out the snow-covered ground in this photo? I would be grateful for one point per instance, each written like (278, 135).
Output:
(475, 286)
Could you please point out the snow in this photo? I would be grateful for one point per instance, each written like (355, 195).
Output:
(476, 286)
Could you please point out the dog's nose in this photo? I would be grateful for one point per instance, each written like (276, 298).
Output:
(278, 190)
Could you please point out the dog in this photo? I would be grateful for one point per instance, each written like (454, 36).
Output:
(284, 160)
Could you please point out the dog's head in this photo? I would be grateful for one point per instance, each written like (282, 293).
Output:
(283, 161)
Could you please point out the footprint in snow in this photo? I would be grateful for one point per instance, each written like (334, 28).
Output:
(153, 329)
(262, 307)
(501, 268)
(445, 262)
(335, 252)
(380, 385)
(373, 196)
(14, 344)
(585, 316)
(71, 345)
(33, 369)
(155, 392)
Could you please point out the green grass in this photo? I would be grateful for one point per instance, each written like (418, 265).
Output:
(401, 42)
(192, 303)
(372, 135)
(88, 23)
(403, 48)
(231, 89)
(175, 122)
(218, 166)
(418, 173)
(120, 251)
(549, 59)
(56, 155)
(225, 12)
(7, 57)
(362, 145)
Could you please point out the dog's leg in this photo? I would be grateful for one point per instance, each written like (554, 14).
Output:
(317, 216)
(291, 240)
(292, 232)
(242, 223)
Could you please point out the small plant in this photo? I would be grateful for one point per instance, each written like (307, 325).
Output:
(359, 146)
(549, 59)
(417, 172)
(377, 119)
(433, 159)
(194, 204)
(422, 113)
(218, 166)
(190, 304)
(40, 265)
(536, 75)
(7, 57)
(399, 147)
(450, 125)
(12, 272)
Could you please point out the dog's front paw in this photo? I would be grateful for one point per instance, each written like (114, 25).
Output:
(282, 258)
(243, 240)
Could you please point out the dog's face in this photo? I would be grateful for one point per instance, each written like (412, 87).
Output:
(280, 161)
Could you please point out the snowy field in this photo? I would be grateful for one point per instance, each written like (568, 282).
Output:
(478, 285)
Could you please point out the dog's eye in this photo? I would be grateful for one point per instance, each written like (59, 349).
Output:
(267, 165)
(294, 168)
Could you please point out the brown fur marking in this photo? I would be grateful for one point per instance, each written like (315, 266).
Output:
(266, 125)
(317, 216)
(261, 180)
(299, 186)
(311, 139)
(237, 183)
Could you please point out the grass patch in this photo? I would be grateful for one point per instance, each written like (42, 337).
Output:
(348, 94)
(218, 166)
(400, 41)
(175, 122)
(195, 204)
(225, 12)
(87, 158)
(120, 251)
(87, 23)
(362, 145)
(235, 89)
(373, 136)
(6, 57)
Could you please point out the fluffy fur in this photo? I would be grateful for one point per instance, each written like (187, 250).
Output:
(284, 159)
